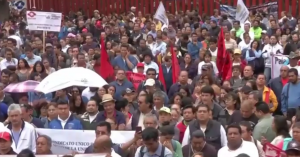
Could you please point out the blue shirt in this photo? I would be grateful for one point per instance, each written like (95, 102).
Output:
(31, 61)
(121, 63)
(121, 87)
(193, 49)
(291, 98)
(16, 136)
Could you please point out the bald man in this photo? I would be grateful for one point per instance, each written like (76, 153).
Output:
(277, 84)
(246, 113)
(103, 144)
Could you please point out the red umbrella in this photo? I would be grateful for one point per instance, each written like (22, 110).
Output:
(22, 87)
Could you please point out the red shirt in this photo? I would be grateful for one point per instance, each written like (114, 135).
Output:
(284, 81)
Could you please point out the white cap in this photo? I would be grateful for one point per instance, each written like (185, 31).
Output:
(150, 82)
(264, 31)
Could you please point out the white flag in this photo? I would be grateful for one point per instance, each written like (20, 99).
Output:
(242, 13)
(161, 14)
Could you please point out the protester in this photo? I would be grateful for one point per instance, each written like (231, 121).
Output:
(20, 130)
(43, 145)
(5, 144)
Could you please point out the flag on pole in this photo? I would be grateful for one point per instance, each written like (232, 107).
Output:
(161, 77)
(161, 14)
(175, 65)
(242, 12)
(106, 69)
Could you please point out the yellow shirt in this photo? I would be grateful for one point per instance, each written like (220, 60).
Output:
(272, 98)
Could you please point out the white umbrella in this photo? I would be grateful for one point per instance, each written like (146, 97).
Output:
(70, 77)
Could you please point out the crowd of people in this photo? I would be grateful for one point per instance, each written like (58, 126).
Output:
(194, 114)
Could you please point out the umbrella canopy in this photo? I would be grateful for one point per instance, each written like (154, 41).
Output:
(68, 77)
(22, 87)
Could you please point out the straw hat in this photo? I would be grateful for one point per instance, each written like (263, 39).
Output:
(107, 98)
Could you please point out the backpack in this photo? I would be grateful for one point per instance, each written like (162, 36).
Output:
(161, 155)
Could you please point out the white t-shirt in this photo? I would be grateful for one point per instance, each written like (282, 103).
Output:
(248, 148)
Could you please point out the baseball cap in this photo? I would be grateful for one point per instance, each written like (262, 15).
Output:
(128, 90)
(5, 136)
(264, 32)
(49, 45)
(165, 109)
(237, 51)
(293, 145)
(140, 65)
(150, 82)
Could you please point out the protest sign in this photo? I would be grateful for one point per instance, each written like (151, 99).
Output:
(277, 62)
(271, 150)
(66, 141)
(44, 21)
(135, 78)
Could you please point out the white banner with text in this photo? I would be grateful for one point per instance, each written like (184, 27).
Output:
(66, 141)
(277, 62)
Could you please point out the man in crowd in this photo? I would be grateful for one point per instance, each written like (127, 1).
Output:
(198, 144)
(5, 144)
(43, 145)
(20, 130)
(211, 128)
(236, 145)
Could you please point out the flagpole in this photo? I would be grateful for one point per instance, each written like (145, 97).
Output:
(176, 6)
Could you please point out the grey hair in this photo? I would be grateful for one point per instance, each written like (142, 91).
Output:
(14, 107)
(257, 95)
(49, 140)
(159, 93)
(150, 115)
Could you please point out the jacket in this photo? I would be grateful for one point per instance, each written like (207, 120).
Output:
(257, 32)
(268, 50)
(168, 77)
(73, 123)
(182, 127)
(87, 125)
(27, 139)
(212, 133)
(267, 92)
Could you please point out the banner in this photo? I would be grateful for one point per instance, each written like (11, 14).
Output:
(43, 21)
(242, 12)
(66, 141)
(135, 78)
(277, 62)
(271, 8)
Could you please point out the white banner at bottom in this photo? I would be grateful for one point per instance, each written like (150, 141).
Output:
(66, 141)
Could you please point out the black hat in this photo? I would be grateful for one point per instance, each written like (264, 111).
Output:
(293, 145)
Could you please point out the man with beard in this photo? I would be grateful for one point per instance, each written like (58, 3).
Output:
(236, 145)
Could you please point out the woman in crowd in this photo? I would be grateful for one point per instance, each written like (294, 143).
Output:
(23, 70)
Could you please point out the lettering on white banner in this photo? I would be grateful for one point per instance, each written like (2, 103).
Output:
(75, 146)
(277, 62)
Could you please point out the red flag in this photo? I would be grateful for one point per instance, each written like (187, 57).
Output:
(175, 66)
(221, 52)
(161, 74)
(223, 61)
(106, 69)
(135, 78)
(227, 68)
